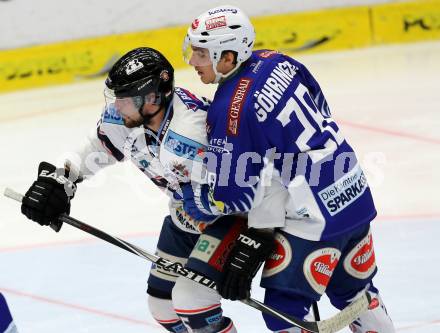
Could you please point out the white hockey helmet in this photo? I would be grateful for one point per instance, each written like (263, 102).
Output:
(223, 28)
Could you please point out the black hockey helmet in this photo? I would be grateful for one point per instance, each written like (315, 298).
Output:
(140, 72)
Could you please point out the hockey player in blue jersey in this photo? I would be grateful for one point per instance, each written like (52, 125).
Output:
(161, 129)
(271, 135)
(6, 322)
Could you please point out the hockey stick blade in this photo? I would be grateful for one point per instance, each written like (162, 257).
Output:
(333, 324)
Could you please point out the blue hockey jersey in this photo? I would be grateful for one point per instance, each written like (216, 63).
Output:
(6, 322)
(269, 126)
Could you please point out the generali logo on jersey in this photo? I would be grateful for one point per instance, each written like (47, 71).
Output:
(319, 266)
(236, 106)
(215, 22)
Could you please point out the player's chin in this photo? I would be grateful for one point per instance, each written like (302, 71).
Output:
(201, 75)
(205, 79)
(130, 123)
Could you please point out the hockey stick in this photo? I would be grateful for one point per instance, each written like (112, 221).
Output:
(330, 325)
(315, 310)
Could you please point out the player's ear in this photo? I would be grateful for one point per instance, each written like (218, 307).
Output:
(229, 57)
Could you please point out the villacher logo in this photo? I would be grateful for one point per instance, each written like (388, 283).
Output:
(280, 258)
(319, 266)
(361, 262)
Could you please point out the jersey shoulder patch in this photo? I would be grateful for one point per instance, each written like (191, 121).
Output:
(265, 54)
(191, 101)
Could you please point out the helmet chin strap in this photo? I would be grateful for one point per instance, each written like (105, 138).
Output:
(220, 76)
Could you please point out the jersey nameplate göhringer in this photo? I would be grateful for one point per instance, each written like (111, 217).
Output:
(174, 154)
(278, 139)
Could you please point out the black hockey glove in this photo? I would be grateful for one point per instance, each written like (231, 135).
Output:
(250, 251)
(49, 196)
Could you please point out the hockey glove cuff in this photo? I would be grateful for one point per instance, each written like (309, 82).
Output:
(196, 202)
(49, 196)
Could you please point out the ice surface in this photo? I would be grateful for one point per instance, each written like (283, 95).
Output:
(387, 102)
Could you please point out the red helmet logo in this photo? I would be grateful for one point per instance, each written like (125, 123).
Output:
(195, 24)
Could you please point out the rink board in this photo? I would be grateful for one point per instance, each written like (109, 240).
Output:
(314, 31)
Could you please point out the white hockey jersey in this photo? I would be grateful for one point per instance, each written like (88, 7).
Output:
(174, 154)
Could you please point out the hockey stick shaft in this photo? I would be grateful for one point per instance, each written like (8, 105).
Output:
(316, 311)
(333, 324)
(161, 262)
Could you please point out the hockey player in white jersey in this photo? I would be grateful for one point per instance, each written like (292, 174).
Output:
(161, 129)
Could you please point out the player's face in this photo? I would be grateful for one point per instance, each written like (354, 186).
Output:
(201, 61)
(196, 56)
(206, 73)
(130, 109)
(151, 106)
